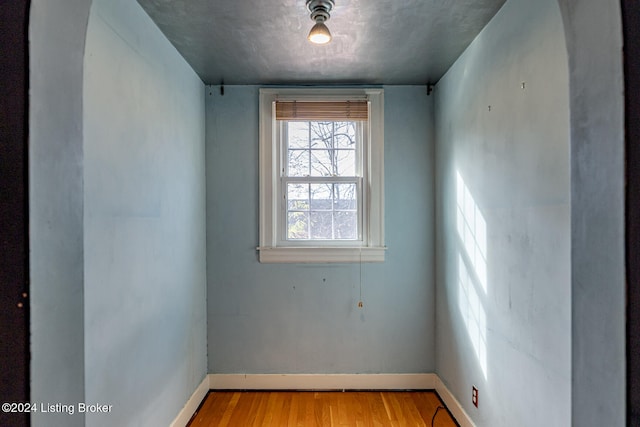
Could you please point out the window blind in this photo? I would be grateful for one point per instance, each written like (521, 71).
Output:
(322, 110)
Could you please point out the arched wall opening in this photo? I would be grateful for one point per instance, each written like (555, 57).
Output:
(593, 32)
(57, 32)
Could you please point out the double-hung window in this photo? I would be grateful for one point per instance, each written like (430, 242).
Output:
(321, 175)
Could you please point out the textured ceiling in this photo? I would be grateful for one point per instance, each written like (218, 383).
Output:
(374, 41)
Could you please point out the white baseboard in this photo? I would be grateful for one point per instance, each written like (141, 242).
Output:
(323, 382)
(453, 405)
(192, 404)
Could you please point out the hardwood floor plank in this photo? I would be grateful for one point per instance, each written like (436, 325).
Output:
(309, 402)
(323, 409)
(294, 412)
(410, 408)
(283, 416)
(228, 411)
(272, 402)
(426, 407)
(399, 418)
(377, 409)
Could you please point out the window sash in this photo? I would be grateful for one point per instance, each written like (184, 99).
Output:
(282, 137)
(360, 149)
(284, 217)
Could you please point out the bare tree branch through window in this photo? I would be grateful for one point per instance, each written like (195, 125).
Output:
(322, 209)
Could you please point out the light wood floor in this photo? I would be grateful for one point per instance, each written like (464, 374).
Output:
(288, 408)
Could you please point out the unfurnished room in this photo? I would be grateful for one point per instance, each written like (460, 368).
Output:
(312, 200)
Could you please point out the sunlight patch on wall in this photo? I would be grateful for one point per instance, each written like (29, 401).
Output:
(473, 314)
(472, 270)
(472, 229)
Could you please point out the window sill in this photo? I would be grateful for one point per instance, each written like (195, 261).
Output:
(320, 255)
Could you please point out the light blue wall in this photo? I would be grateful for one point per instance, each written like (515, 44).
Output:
(266, 318)
(144, 220)
(503, 164)
(57, 30)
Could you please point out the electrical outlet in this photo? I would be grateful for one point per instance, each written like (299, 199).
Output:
(474, 396)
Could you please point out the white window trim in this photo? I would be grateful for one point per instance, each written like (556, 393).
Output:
(371, 248)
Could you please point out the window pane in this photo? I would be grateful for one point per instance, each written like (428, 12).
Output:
(345, 197)
(321, 197)
(346, 225)
(322, 163)
(298, 134)
(298, 163)
(298, 225)
(321, 135)
(345, 135)
(323, 159)
(345, 162)
(321, 225)
(298, 197)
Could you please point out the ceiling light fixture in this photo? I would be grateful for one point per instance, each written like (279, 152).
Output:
(319, 9)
